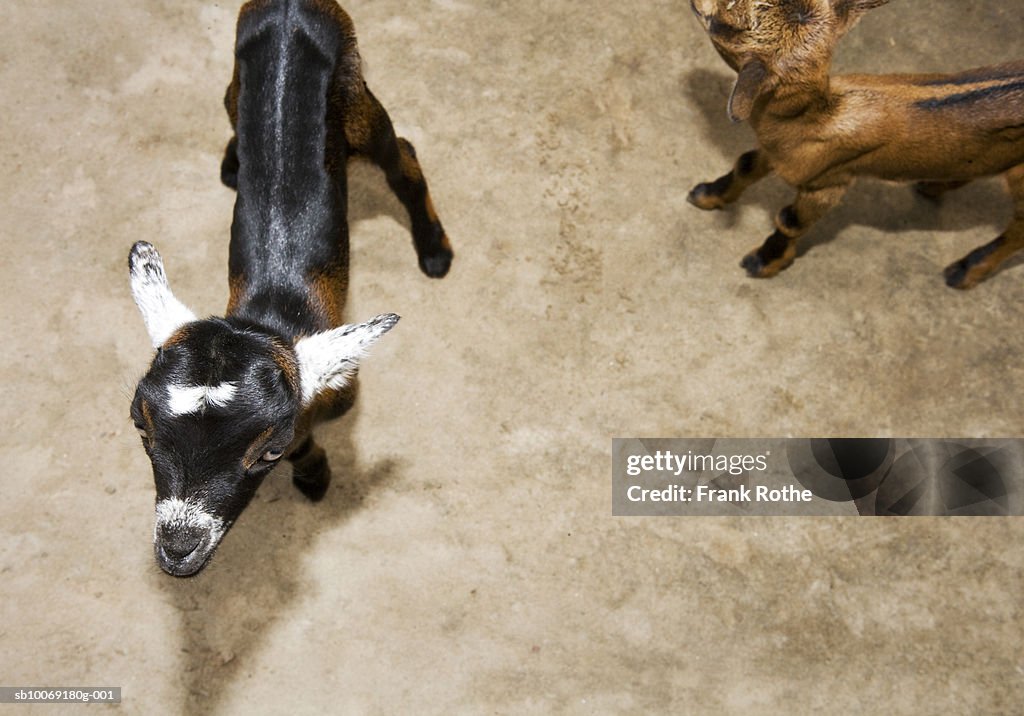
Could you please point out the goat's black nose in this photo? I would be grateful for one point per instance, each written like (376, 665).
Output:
(179, 547)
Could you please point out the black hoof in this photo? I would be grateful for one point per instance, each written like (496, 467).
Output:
(229, 165)
(312, 476)
(703, 197)
(229, 179)
(436, 265)
(753, 265)
(312, 488)
(956, 275)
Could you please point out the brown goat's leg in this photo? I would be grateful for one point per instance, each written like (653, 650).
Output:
(310, 472)
(985, 260)
(750, 168)
(779, 249)
(397, 157)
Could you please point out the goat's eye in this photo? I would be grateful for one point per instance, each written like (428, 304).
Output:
(142, 431)
(272, 455)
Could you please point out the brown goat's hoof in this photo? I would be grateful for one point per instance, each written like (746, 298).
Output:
(437, 264)
(976, 266)
(755, 266)
(958, 275)
(704, 197)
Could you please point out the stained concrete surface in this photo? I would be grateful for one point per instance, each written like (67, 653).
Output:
(465, 559)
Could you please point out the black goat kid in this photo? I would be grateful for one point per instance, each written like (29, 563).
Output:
(226, 398)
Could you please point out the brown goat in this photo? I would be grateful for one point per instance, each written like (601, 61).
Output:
(819, 133)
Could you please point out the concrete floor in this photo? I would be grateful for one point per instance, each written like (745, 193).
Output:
(465, 560)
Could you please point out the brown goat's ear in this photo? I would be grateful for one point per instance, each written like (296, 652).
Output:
(848, 10)
(751, 82)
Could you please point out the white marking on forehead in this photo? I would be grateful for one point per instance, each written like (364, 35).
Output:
(183, 399)
(177, 514)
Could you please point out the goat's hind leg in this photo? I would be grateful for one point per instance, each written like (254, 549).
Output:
(229, 165)
(749, 169)
(374, 136)
(985, 260)
(779, 250)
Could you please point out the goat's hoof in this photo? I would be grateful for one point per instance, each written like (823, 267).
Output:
(313, 489)
(704, 198)
(958, 275)
(753, 265)
(313, 486)
(436, 265)
(756, 267)
(229, 179)
(229, 165)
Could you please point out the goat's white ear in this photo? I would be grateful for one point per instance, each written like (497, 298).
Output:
(751, 82)
(330, 359)
(162, 312)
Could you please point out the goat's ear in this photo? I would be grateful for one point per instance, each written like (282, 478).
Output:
(849, 11)
(750, 83)
(330, 359)
(162, 312)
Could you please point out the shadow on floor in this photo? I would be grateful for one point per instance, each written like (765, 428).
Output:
(258, 572)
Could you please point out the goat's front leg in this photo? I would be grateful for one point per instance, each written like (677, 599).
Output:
(374, 136)
(750, 168)
(985, 260)
(779, 249)
(310, 472)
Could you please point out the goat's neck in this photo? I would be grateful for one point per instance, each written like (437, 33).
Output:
(800, 94)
